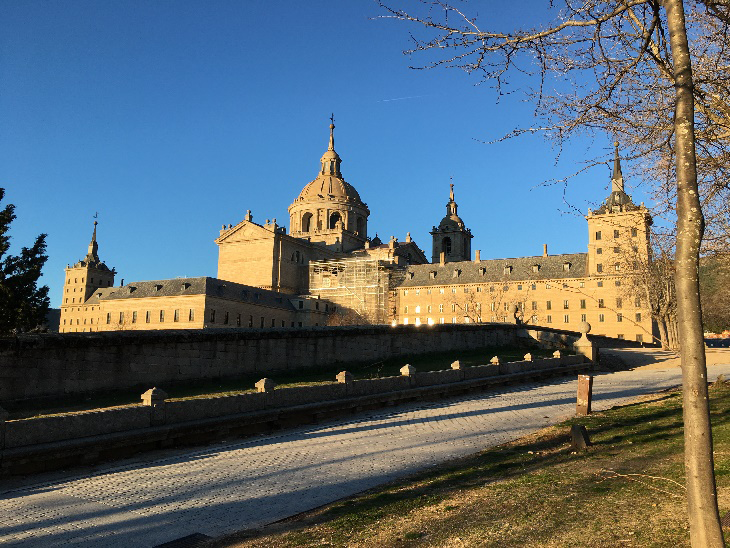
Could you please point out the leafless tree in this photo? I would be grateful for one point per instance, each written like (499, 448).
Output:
(625, 68)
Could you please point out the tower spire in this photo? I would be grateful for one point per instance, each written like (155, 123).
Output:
(451, 194)
(330, 160)
(617, 179)
(93, 246)
(332, 132)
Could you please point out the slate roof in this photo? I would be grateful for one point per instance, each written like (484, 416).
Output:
(493, 270)
(212, 287)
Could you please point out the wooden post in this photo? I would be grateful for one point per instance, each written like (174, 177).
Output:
(585, 395)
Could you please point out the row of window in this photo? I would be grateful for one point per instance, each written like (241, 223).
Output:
(617, 233)
(617, 266)
(616, 249)
(520, 287)
(533, 319)
(534, 305)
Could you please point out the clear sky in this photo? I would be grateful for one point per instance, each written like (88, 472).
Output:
(170, 118)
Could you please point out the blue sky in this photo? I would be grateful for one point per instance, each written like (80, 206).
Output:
(170, 118)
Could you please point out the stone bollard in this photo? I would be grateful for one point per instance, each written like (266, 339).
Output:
(346, 378)
(456, 366)
(409, 371)
(584, 346)
(527, 357)
(495, 360)
(3, 419)
(557, 354)
(265, 385)
(155, 398)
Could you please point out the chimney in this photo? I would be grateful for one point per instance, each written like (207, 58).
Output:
(442, 258)
(408, 237)
(477, 256)
(544, 250)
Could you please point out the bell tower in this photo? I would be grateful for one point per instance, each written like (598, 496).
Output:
(82, 279)
(451, 235)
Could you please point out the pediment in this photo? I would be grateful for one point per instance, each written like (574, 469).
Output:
(244, 231)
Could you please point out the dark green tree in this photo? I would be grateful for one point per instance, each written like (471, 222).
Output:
(23, 305)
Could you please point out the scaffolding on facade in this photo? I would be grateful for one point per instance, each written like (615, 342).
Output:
(361, 288)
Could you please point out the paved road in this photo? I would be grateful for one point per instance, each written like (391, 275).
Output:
(231, 486)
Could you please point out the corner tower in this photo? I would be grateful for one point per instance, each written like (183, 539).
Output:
(82, 279)
(328, 209)
(451, 235)
(618, 231)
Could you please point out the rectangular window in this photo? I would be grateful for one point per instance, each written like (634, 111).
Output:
(441, 291)
(582, 317)
(453, 319)
(598, 235)
(583, 305)
(640, 338)
(176, 315)
(599, 251)
(108, 318)
(134, 317)
(250, 322)
(617, 267)
(617, 283)
(441, 320)
(418, 291)
(212, 316)
(428, 309)
(601, 318)
(405, 309)
(534, 305)
(121, 318)
(534, 287)
(549, 319)
(519, 287)
(301, 303)
(599, 284)
(534, 319)
(638, 316)
(162, 316)
(238, 321)
(615, 233)
(634, 232)
(566, 318)
(619, 302)
(191, 315)
(453, 307)
(492, 306)
(619, 317)
(581, 284)
(549, 305)
(637, 302)
(620, 336)
(600, 304)
(441, 308)
(599, 267)
(506, 307)
(617, 249)
(262, 322)
(479, 289)
(147, 317)
(273, 322)
(566, 304)
(225, 318)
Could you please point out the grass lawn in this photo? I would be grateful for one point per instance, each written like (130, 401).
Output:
(625, 490)
(245, 383)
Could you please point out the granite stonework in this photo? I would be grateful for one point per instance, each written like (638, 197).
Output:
(48, 365)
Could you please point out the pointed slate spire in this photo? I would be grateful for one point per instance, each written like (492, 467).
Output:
(617, 179)
(93, 246)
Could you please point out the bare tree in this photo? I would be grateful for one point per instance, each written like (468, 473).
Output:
(625, 68)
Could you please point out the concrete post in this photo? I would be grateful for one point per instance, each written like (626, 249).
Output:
(346, 378)
(155, 398)
(585, 395)
(456, 366)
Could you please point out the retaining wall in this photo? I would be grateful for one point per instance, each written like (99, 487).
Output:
(45, 443)
(52, 365)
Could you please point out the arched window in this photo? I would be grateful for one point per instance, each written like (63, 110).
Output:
(306, 222)
(446, 245)
(334, 218)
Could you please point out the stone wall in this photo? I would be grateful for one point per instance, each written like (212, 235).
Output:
(52, 365)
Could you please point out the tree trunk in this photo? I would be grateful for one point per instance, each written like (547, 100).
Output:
(664, 333)
(704, 517)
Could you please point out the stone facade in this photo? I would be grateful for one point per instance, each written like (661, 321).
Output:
(327, 270)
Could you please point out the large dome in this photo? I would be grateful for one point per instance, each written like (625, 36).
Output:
(326, 187)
